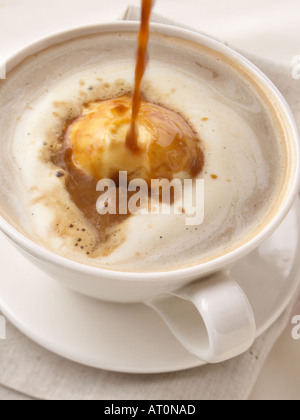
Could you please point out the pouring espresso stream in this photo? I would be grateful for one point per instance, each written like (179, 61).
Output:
(141, 64)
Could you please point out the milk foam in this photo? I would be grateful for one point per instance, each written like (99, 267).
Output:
(239, 137)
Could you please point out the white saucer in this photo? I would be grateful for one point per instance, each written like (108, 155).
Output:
(132, 338)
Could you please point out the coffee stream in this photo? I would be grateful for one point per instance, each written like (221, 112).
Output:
(141, 64)
(126, 133)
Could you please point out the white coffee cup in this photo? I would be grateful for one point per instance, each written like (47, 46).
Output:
(205, 309)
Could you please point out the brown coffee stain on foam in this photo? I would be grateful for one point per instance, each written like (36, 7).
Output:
(74, 206)
(66, 215)
(29, 107)
(75, 227)
(118, 82)
(83, 193)
(68, 111)
(59, 104)
(215, 74)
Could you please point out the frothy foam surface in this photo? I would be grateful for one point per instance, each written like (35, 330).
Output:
(243, 146)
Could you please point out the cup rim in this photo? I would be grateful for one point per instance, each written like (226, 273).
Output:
(201, 269)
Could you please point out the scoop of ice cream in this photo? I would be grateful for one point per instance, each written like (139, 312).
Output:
(167, 145)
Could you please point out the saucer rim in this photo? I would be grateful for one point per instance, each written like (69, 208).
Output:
(121, 368)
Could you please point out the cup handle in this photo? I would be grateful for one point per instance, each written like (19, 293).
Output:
(212, 318)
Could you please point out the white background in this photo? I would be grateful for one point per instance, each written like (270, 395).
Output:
(269, 28)
(265, 27)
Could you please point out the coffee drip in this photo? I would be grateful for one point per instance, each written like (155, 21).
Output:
(123, 134)
(141, 64)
